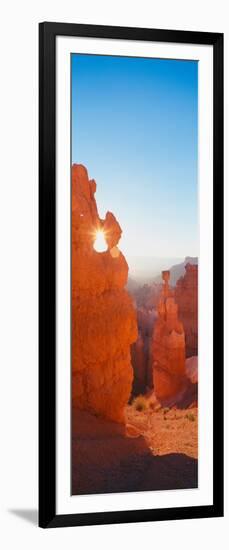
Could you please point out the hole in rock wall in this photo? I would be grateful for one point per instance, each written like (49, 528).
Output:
(100, 244)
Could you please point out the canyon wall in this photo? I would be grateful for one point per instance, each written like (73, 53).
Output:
(186, 296)
(168, 346)
(103, 316)
(141, 355)
(145, 298)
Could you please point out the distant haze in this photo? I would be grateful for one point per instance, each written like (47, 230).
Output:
(146, 268)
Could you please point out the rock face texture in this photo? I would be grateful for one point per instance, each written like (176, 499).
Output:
(145, 298)
(141, 355)
(103, 316)
(186, 296)
(191, 366)
(139, 366)
(168, 347)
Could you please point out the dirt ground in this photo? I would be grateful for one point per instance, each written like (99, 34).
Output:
(167, 431)
(155, 451)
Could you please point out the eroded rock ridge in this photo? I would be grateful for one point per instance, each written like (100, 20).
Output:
(103, 316)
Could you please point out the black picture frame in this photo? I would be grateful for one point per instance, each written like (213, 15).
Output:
(47, 273)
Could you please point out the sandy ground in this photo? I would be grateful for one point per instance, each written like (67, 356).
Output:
(173, 431)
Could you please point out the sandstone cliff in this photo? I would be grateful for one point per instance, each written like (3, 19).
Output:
(141, 355)
(103, 317)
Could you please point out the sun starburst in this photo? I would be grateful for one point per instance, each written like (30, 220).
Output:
(100, 244)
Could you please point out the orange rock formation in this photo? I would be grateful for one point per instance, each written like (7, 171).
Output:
(139, 367)
(103, 316)
(186, 296)
(168, 346)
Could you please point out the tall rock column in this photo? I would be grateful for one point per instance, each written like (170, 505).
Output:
(186, 296)
(103, 316)
(168, 346)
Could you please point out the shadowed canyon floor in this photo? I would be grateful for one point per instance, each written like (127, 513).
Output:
(150, 453)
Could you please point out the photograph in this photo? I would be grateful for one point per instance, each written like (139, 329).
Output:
(134, 274)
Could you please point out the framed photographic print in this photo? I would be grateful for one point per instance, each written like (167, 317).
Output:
(131, 275)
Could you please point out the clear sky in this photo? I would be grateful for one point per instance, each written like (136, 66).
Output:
(134, 127)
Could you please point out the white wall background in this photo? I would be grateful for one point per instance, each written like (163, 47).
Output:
(18, 272)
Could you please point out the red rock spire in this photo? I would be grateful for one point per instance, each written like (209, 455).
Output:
(168, 346)
(103, 316)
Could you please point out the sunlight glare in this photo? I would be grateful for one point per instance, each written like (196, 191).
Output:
(100, 244)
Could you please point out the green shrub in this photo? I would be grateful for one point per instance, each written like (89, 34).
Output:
(190, 417)
(140, 403)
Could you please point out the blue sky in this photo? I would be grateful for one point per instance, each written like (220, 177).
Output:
(134, 126)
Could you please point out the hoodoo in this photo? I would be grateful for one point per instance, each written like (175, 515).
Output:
(103, 316)
(186, 296)
(168, 346)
